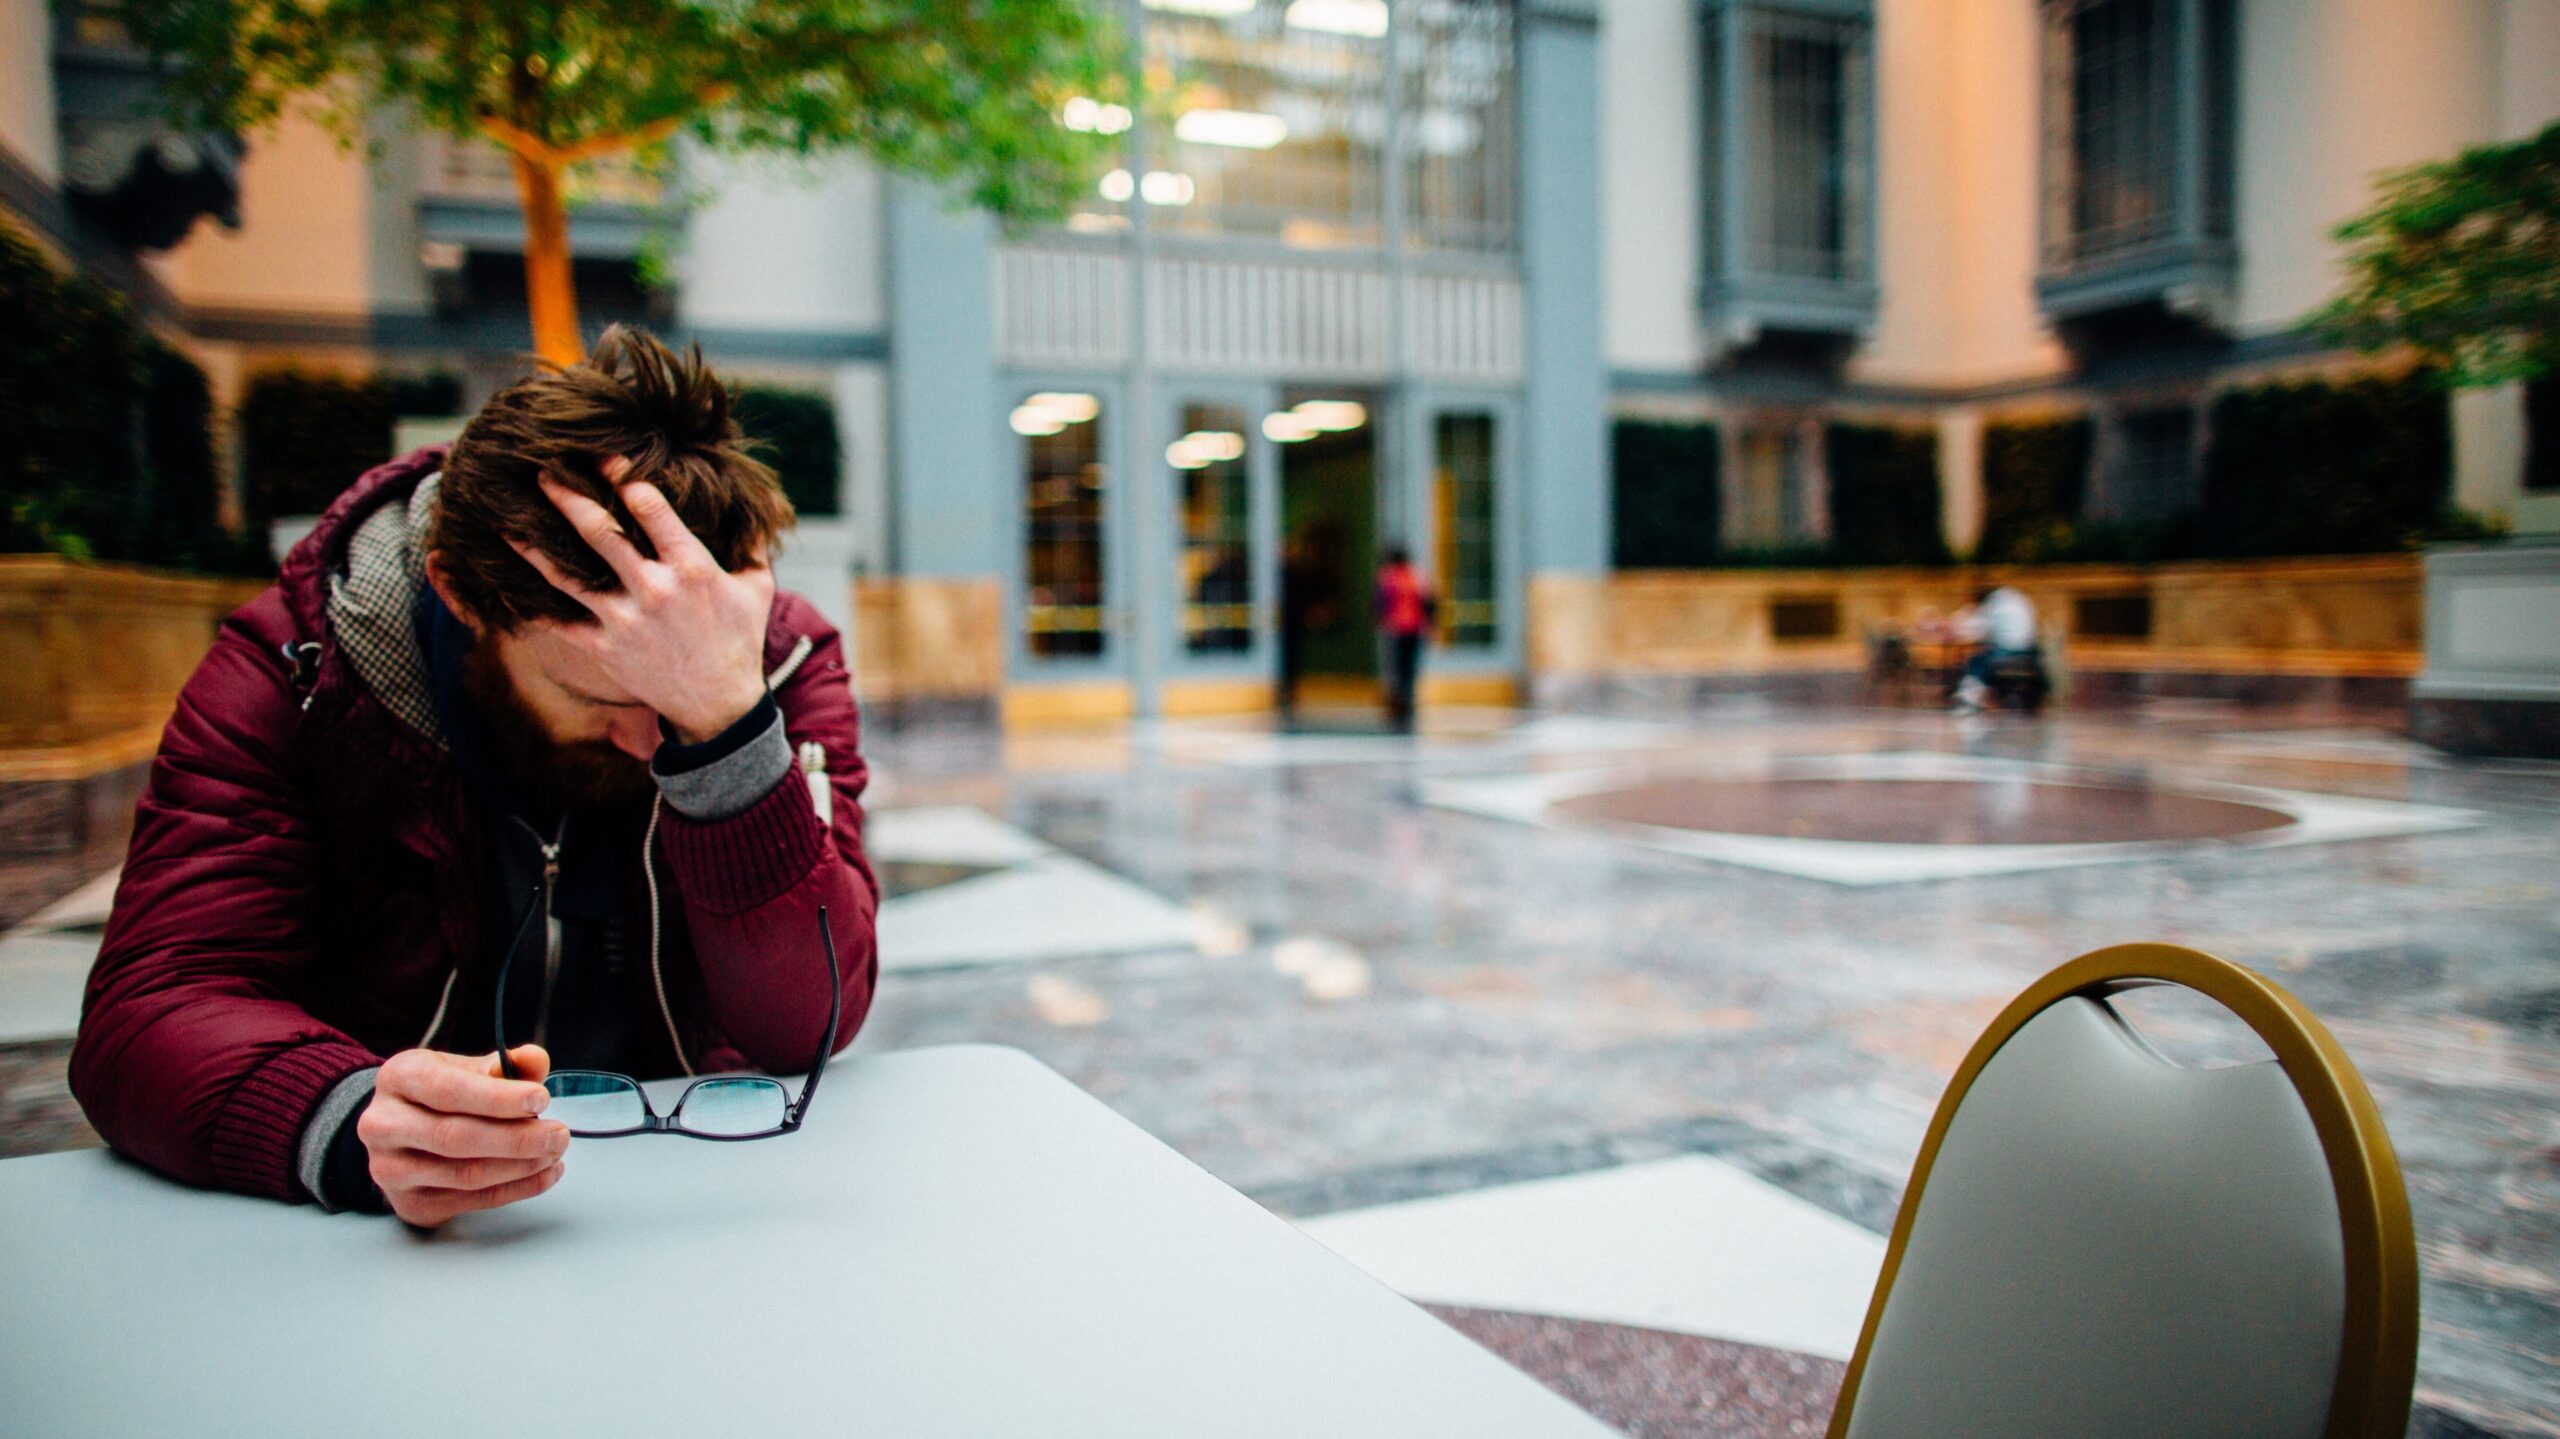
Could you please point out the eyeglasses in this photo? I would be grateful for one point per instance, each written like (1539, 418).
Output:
(600, 1105)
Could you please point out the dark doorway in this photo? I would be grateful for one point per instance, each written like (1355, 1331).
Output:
(1329, 529)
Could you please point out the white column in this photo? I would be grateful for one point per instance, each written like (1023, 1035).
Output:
(1960, 497)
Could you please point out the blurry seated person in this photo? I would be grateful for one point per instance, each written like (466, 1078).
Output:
(542, 677)
(2001, 625)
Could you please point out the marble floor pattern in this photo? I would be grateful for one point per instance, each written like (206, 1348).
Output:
(1633, 1112)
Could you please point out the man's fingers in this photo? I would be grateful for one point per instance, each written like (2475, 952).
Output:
(457, 1084)
(429, 1208)
(401, 1126)
(658, 520)
(596, 525)
(560, 579)
(409, 1169)
(532, 1062)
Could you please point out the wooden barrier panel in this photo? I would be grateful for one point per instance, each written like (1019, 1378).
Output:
(92, 657)
(2350, 616)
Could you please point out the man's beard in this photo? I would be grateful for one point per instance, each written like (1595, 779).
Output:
(580, 775)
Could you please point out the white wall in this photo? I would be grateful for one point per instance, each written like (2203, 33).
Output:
(1649, 184)
(26, 87)
(305, 237)
(780, 248)
(862, 426)
(2332, 92)
(2529, 46)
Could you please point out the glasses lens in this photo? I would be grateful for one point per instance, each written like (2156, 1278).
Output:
(733, 1107)
(592, 1103)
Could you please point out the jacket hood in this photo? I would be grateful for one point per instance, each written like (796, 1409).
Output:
(356, 577)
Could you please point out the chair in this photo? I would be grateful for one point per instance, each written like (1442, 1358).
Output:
(2099, 1242)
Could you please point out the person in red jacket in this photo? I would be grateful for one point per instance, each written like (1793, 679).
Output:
(543, 674)
(1406, 609)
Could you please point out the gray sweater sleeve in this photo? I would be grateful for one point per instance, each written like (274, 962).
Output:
(724, 775)
(311, 1152)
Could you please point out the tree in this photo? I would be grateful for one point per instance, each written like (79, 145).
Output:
(2460, 261)
(967, 91)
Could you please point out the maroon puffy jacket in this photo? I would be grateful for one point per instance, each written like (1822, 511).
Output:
(301, 885)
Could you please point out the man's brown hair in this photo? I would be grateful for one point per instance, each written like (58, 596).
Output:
(668, 414)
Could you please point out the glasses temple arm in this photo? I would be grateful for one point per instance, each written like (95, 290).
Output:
(835, 1016)
(498, 1020)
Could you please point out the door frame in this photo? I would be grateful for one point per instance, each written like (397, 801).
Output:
(1160, 556)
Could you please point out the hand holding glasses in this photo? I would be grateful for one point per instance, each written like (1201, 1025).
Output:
(596, 1104)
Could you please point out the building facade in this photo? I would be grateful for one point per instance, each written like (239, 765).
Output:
(1384, 272)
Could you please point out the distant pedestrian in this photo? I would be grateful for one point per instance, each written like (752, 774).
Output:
(1406, 609)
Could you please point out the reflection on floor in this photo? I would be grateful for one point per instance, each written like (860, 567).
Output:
(1419, 995)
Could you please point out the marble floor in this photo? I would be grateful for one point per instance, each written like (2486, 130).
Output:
(1612, 1039)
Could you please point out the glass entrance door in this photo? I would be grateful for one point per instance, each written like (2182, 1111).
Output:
(1217, 570)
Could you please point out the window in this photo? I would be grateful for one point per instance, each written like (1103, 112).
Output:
(2542, 434)
(1216, 515)
(1286, 117)
(1063, 614)
(1788, 130)
(1803, 217)
(1463, 517)
(1463, 156)
(1768, 504)
(1280, 120)
(2138, 121)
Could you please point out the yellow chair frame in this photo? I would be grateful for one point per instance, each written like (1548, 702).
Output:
(2378, 1349)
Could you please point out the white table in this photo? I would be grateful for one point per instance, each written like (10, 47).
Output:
(959, 1243)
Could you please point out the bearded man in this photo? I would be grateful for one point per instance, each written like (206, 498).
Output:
(542, 677)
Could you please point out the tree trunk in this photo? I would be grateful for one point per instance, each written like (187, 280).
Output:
(550, 294)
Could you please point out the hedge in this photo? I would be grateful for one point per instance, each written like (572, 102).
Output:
(797, 431)
(2034, 478)
(1884, 496)
(106, 447)
(1665, 497)
(304, 436)
(2316, 468)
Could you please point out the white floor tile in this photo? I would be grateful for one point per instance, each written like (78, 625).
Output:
(1054, 907)
(1692, 1244)
(41, 979)
(946, 834)
(86, 905)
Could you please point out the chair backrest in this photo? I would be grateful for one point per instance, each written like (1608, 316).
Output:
(2099, 1242)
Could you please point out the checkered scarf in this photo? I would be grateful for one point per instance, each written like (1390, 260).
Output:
(373, 607)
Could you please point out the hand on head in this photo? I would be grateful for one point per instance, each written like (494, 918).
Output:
(447, 1135)
(682, 635)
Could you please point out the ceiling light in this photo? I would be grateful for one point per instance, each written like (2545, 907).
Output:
(1183, 455)
(1033, 421)
(1332, 414)
(1242, 129)
(1067, 408)
(1119, 185)
(1366, 19)
(1287, 427)
(1167, 187)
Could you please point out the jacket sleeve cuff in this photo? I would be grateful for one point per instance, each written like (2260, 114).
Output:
(257, 1138)
(322, 1157)
(725, 774)
(732, 865)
